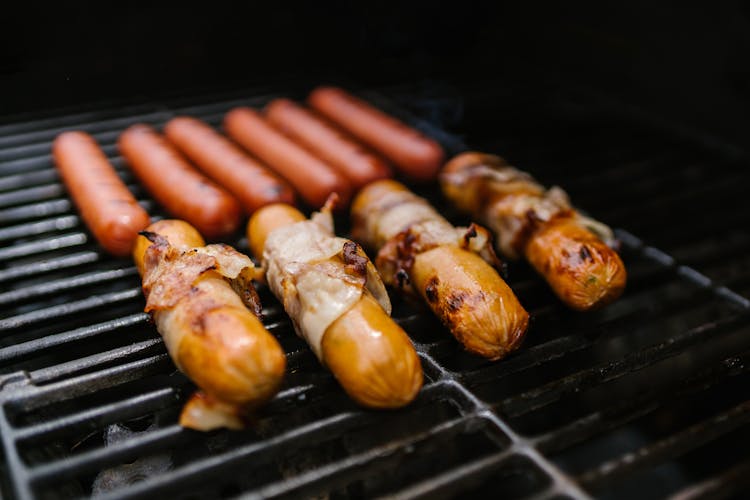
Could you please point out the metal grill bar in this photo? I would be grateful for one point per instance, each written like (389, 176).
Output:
(187, 475)
(540, 397)
(674, 445)
(97, 417)
(20, 180)
(41, 227)
(69, 120)
(562, 483)
(67, 309)
(25, 165)
(105, 130)
(729, 482)
(56, 372)
(35, 210)
(36, 193)
(445, 483)
(617, 415)
(65, 284)
(46, 266)
(115, 359)
(337, 474)
(38, 396)
(105, 138)
(93, 460)
(46, 245)
(35, 346)
(579, 340)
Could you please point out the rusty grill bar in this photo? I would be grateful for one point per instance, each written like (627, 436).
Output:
(645, 393)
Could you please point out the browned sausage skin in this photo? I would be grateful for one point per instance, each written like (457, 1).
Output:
(338, 304)
(176, 184)
(569, 250)
(449, 268)
(252, 183)
(106, 205)
(327, 142)
(414, 154)
(313, 179)
(208, 329)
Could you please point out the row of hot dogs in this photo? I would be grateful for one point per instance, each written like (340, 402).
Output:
(202, 299)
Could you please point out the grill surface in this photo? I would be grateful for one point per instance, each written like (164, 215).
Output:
(648, 395)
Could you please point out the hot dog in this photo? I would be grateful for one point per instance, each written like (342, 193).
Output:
(324, 140)
(419, 252)
(176, 184)
(313, 179)
(225, 163)
(208, 329)
(571, 251)
(414, 154)
(106, 205)
(337, 303)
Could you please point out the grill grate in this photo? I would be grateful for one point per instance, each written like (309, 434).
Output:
(648, 393)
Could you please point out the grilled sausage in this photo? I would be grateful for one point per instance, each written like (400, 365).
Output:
(569, 250)
(420, 252)
(327, 142)
(207, 327)
(253, 184)
(313, 179)
(179, 187)
(107, 207)
(338, 304)
(414, 154)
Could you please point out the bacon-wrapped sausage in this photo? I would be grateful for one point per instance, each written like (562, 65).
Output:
(450, 268)
(571, 251)
(206, 310)
(337, 303)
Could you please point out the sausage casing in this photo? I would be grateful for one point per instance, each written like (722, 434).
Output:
(413, 153)
(313, 179)
(106, 205)
(176, 184)
(572, 252)
(450, 268)
(207, 327)
(338, 304)
(253, 184)
(324, 140)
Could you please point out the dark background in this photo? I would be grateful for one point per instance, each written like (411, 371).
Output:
(690, 64)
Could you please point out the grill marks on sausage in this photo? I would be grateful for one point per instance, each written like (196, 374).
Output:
(568, 249)
(431, 289)
(459, 303)
(456, 300)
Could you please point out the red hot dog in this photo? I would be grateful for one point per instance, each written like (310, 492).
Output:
(415, 155)
(178, 186)
(311, 177)
(224, 162)
(106, 205)
(324, 140)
